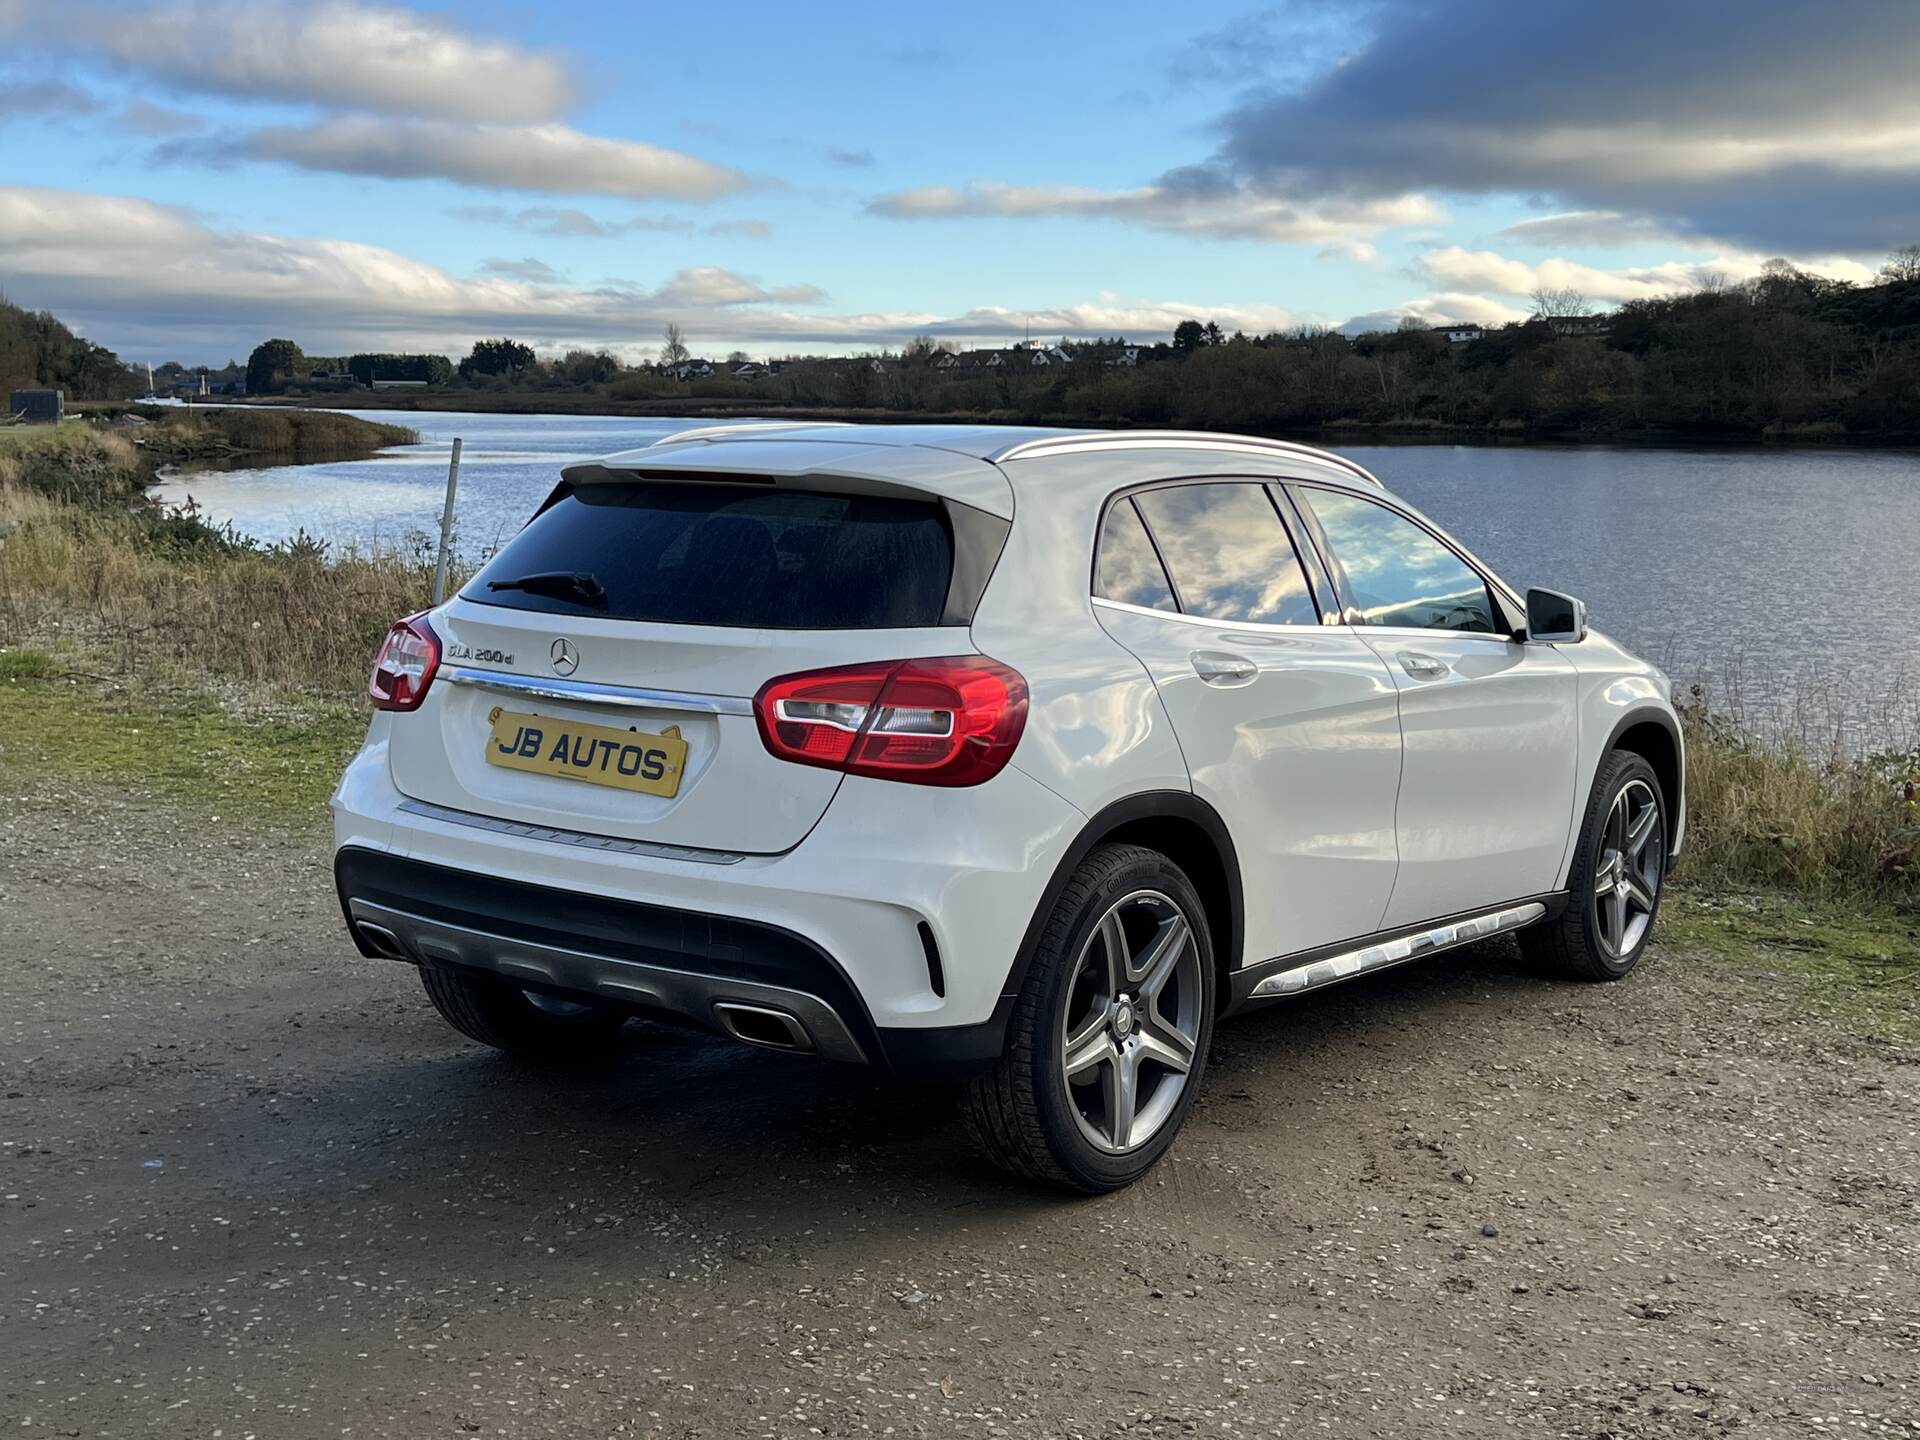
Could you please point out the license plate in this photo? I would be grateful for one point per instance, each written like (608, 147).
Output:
(598, 754)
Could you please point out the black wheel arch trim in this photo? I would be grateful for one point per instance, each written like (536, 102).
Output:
(1148, 805)
(1676, 803)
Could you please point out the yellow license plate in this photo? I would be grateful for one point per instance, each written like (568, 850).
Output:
(598, 754)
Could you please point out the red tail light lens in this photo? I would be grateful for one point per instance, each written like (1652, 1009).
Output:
(948, 721)
(405, 666)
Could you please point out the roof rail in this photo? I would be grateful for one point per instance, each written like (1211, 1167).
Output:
(1177, 439)
(727, 431)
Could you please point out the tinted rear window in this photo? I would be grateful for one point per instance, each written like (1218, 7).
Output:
(722, 555)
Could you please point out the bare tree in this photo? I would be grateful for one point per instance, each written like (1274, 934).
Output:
(1563, 304)
(675, 349)
(1903, 264)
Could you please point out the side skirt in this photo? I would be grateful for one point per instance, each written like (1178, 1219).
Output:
(1326, 965)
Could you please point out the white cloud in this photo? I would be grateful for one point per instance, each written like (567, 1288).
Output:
(151, 281)
(1439, 309)
(529, 269)
(1602, 228)
(334, 53)
(1185, 203)
(549, 158)
(1484, 272)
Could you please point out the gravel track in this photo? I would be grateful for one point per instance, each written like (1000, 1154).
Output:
(252, 1186)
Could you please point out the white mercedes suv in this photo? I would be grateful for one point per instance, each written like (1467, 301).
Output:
(1015, 755)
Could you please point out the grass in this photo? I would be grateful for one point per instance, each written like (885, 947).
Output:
(255, 758)
(1858, 965)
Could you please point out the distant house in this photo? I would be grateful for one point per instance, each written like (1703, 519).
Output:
(749, 370)
(689, 369)
(38, 407)
(1461, 334)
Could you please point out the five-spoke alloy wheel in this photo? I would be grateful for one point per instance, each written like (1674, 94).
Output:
(1614, 887)
(1109, 1032)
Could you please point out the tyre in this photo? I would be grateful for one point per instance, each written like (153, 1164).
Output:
(532, 1026)
(1613, 890)
(1108, 1037)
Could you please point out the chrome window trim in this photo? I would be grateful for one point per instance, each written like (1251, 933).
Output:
(589, 693)
(1259, 626)
(554, 835)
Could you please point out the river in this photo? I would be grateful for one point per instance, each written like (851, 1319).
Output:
(1787, 575)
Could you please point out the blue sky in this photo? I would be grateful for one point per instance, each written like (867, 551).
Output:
(182, 182)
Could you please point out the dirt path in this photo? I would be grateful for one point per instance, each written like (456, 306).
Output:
(253, 1187)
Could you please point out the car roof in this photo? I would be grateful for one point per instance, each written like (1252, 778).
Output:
(979, 465)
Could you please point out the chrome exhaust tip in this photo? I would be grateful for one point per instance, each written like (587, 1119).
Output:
(381, 940)
(763, 1026)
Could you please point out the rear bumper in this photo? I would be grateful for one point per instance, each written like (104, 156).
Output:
(832, 936)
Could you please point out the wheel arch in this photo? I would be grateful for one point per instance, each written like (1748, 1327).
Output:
(1653, 734)
(1189, 832)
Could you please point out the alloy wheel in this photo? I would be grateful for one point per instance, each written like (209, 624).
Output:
(1132, 1021)
(1626, 883)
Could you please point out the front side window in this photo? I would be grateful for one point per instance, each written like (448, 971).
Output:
(1229, 555)
(1393, 572)
(1127, 569)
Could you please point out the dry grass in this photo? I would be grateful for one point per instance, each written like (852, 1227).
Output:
(1834, 823)
(126, 596)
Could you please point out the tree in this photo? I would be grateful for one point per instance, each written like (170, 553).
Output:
(675, 349)
(1189, 336)
(1562, 304)
(272, 364)
(738, 357)
(925, 347)
(1903, 264)
(496, 357)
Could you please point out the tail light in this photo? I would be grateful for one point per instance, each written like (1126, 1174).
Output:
(948, 721)
(405, 666)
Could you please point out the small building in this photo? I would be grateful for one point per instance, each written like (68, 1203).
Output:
(1461, 334)
(38, 407)
(749, 370)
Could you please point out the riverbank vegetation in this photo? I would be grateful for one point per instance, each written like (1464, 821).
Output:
(1789, 356)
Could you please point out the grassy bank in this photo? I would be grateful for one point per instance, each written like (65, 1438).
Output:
(207, 432)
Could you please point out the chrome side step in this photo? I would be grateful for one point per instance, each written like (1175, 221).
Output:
(1332, 969)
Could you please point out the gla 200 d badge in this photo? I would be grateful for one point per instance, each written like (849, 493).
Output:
(566, 659)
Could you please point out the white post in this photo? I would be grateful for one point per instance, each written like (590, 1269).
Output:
(446, 526)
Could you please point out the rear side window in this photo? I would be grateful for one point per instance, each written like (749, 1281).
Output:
(1127, 568)
(707, 554)
(1228, 553)
(1392, 572)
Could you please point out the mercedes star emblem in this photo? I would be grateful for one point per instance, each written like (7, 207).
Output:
(566, 659)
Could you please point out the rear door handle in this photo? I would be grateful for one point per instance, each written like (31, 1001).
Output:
(1421, 667)
(1217, 667)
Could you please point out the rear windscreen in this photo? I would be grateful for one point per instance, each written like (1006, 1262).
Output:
(721, 555)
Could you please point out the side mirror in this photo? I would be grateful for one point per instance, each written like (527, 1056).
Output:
(1553, 618)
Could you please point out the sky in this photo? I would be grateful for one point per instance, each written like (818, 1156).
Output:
(182, 181)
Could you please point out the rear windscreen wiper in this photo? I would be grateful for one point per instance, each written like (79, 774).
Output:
(564, 584)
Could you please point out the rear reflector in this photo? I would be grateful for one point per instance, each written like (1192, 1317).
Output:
(954, 720)
(405, 666)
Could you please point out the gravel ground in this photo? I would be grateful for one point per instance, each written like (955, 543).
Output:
(253, 1187)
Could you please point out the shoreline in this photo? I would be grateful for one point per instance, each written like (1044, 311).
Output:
(720, 410)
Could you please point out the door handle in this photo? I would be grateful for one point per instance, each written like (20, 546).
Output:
(1217, 667)
(1421, 667)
